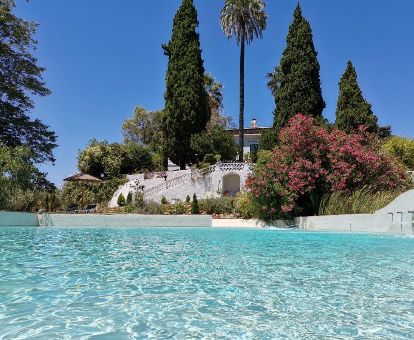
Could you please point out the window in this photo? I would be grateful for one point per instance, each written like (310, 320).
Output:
(254, 148)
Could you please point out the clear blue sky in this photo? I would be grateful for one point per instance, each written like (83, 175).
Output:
(104, 57)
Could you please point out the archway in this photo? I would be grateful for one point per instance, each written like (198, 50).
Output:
(231, 184)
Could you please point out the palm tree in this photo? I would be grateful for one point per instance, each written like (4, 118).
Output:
(245, 19)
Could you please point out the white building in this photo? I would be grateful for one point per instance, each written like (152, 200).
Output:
(251, 136)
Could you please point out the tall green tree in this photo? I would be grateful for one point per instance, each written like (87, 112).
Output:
(106, 161)
(244, 19)
(20, 80)
(21, 183)
(186, 108)
(352, 108)
(144, 128)
(295, 83)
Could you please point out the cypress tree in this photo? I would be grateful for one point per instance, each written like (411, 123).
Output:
(195, 208)
(121, 200)
(129, 198)
(186, 109)
(295, 83)
(352, 108)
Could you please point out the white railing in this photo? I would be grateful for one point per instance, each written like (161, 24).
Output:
(232, 166)
(166, 185)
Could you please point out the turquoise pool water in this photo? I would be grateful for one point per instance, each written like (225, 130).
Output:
(204, 283)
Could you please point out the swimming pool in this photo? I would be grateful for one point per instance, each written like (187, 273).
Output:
(120, 283)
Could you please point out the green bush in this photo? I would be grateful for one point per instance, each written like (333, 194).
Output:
(402, 149)
(221, 205)
(139, 200)
(129, 198)
(105, 160)
(210, 159)
(362, 201)
(217, 141)
(121, 200)
(195, 209)
(268, 140)
(164, 200)
(244, 206)
(130, 209)
(83, 194)
(179, 208)
(188, 199)
(153, 208)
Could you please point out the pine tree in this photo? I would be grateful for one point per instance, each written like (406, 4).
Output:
(295, 83)
(352, 109)
(186, 108)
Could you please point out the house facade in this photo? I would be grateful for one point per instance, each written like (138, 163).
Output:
(251, 136)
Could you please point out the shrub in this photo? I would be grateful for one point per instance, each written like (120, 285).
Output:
(188, 199)
(129, 198)
(164, 200)
(311, 161)
(129, 209)
(206, 205)
(195, 209)
(139, 200)
(221, 205)
(217, 141)
(86, 193)
(153, 208)
(402, 149)
(203, 165)
(179, 208)
(121, 200)
(105, 160)
(244, 206)
(268, 140)
(210, 159)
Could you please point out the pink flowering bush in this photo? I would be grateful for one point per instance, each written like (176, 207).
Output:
(311, 161)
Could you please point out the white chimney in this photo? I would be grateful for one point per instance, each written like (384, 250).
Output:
(253, 123)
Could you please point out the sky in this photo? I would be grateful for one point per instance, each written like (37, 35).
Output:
(103, 58)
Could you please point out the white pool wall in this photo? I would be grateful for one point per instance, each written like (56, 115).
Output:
(18, 219)
(130, 220)
(393, 223)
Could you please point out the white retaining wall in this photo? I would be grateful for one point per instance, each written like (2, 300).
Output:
(132, 220)
(369, 223)
(203, 185)
(253, 223)
(14, 219)
(403, 204)
(395, 218)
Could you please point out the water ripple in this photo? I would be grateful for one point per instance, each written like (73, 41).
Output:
(107, 283)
